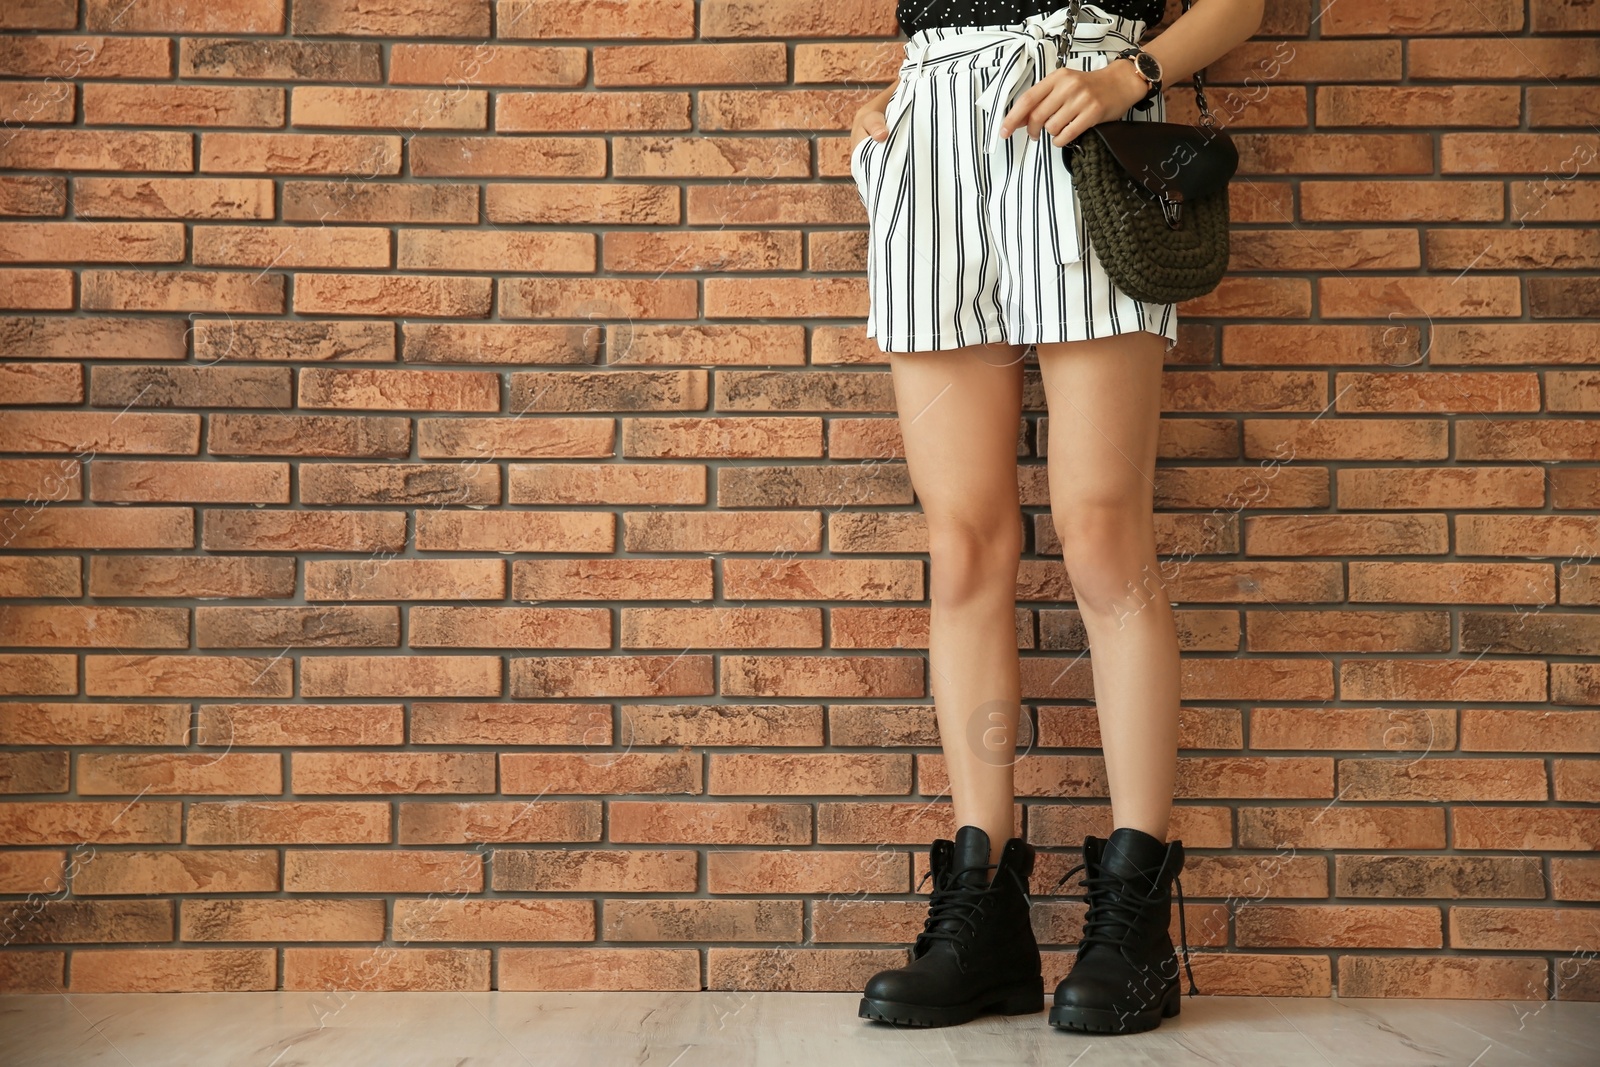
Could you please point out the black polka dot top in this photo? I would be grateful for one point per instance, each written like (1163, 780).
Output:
(915, 15)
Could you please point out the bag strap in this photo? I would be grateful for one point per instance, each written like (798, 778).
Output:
(1206, 118)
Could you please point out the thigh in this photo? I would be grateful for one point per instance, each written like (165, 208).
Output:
(960, 411)
(1104, 400)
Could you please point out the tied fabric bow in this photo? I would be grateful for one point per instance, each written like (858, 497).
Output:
(1019, 68)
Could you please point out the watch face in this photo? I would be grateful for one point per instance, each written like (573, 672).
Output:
(1149, 66)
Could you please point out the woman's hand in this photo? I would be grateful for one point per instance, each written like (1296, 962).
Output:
(870, 121)
(1067, 101)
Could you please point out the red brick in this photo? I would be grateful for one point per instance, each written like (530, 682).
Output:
(393, 772)
(351, 531)
(398, 483)
(149, 527)
(72, 822)
(575, 18)
(38, 103)
(85, 150)
(297, 822)
(1338, 926)
(575, 531)
(510, 724)
(392, 18)
(174, 970)
(386, 968)
(605, 112)
(1442, 680)
(183, 290)
(101, 432)
(599, 968)
(42, 481)
(178, 871)
(381, 871)
(1529, 730)
(173, 198)
(227, 387)
(212, 483)
(33, 772)
(589, 676)
(715, 823)
(300, 724)
(312, 341)
(36, 290)
(395, 109)
(470, 250)
(375, 201)
(461, 64)
(1552, 929)
(578, 204)
(266, 59)
(40, 15)
(296, 919)
(71, 58)
(505, 156)
(413, 676)
(447, 822)
(692, 64)
(158, 576)
(179, 16)
(92, 242)
(443, 342)
(408, 296)
(182, 105)
(233, 773)
(359, 155)
(1452, 977)
(494, 920)
(93, 724)
(33, 196)
(179, 675)
(526, 298)
(63, 626)
(410, 579)
(288, 247)
(50, 337)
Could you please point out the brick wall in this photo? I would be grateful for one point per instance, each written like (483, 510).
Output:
(456, 536)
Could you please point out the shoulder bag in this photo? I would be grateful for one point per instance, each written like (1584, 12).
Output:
(1154, 199)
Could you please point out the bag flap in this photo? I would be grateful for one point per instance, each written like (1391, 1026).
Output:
(1171, 158)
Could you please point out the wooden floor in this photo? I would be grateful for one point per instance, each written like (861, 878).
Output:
(745, 1029)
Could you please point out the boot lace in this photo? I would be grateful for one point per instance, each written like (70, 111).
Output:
(1113, 917)
(953, 899)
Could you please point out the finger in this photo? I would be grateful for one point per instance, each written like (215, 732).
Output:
(1080, 122)
(1055, 105)
(1021, 109)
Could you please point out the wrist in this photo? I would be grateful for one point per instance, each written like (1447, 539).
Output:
(1131, 82)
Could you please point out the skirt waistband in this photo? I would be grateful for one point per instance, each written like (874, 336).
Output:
(1023, 51)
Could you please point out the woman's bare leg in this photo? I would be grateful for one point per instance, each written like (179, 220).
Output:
(959, 415)
(1104, 398)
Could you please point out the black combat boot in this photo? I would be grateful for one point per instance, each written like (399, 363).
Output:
(976, 952)
(1125, 978)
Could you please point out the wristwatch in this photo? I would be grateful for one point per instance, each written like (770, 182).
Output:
(1148, 68)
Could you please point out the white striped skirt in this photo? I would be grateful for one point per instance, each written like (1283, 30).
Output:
(973, 239)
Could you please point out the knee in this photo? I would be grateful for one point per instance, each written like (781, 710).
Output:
(1103, 545)
(970, 563)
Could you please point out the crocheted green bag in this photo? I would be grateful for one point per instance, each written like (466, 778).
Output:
(1154, 199)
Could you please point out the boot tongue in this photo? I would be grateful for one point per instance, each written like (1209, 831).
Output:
(971, 856)
(1134, 855)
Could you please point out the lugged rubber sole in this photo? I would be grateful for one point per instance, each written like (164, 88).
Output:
(1021, 999)
(1108, 1021)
